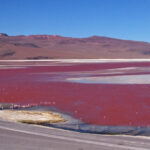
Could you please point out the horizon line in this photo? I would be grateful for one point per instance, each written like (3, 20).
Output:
(80, 60)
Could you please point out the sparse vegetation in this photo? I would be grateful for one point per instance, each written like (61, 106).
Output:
(7, 53)
(31, 117)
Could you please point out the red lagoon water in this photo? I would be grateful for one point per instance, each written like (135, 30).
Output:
(96, 93)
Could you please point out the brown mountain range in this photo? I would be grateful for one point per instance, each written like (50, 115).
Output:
(56, 47)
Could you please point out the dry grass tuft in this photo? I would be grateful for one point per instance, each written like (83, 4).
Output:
(31, 117)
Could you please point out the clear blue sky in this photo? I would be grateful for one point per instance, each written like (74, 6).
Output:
(125, 19)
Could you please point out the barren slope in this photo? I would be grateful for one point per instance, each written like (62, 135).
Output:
(52, 47)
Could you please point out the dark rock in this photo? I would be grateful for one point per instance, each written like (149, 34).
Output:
(26, 45)
(3, 34)
(38, 57)
(7, 53)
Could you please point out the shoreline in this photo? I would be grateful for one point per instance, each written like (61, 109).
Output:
(79, 60)
(73, 124)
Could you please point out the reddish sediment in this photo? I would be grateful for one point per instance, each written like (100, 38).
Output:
(100, 104)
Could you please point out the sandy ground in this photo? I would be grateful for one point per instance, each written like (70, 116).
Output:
(32, 117)
(19, 136)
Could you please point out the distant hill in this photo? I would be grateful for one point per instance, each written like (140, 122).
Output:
(52, 47)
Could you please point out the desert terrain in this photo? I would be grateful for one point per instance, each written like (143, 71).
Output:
(58, 47)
